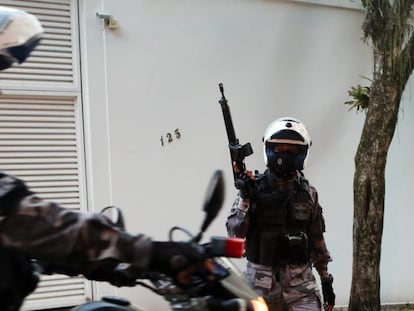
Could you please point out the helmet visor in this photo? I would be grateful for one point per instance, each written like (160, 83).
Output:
(5, 61)
(21, 52)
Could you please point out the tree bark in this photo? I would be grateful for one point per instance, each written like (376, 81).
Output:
(386, 25)
(369, 192)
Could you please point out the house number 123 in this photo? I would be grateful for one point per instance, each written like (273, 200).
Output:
(169, 137)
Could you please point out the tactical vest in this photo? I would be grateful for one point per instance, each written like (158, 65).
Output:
(278, 231)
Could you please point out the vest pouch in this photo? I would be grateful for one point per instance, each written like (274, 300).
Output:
(294, 248)
(269, 248)
(300, 209)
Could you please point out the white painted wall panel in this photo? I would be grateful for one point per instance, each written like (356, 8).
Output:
(160, 70)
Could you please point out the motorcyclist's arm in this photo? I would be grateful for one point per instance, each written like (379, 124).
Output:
(74, 243)
(238, 219)
(49, 232)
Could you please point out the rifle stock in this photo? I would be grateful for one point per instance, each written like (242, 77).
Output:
(237, 152)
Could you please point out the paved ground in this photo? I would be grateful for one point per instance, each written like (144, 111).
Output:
(404, 307)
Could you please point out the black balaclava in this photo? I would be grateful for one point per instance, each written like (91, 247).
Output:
(284, 164)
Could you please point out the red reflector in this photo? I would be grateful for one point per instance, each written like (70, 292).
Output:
(234, 247)
(227, 247)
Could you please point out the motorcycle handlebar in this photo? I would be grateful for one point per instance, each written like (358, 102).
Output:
(225, 247)
(217, 247)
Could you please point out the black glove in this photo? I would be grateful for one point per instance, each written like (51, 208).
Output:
(246, 185)
(327, 291)
(173, 257)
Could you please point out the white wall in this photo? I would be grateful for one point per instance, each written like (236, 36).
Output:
(160, 71)
(397, 253)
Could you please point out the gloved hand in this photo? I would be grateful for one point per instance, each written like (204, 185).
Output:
(328, 293)
(176, 259)
(245, 182)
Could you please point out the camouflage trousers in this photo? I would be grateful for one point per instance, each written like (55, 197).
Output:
(289, 288)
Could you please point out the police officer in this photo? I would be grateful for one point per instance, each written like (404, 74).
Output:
(65, 241)
(279, 216)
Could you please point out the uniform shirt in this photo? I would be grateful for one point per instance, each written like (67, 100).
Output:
(69, 242)
(238, 222)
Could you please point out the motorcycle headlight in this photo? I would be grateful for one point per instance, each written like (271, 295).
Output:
(258, 304)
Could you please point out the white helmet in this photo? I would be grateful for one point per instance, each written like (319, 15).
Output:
(20, 33)
(286, 130)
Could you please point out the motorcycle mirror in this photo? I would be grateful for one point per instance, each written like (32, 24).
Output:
(214, 199)
(115, 215)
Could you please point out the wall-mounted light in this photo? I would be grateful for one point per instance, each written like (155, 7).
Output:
(108, 20)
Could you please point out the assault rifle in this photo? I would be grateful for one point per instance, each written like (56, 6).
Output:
(237, 152)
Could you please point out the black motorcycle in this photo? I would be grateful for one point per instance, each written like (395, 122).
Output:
(218, 285)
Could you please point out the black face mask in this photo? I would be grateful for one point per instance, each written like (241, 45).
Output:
(283, 163)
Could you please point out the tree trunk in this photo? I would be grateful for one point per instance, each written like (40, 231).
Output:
(369, 192)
